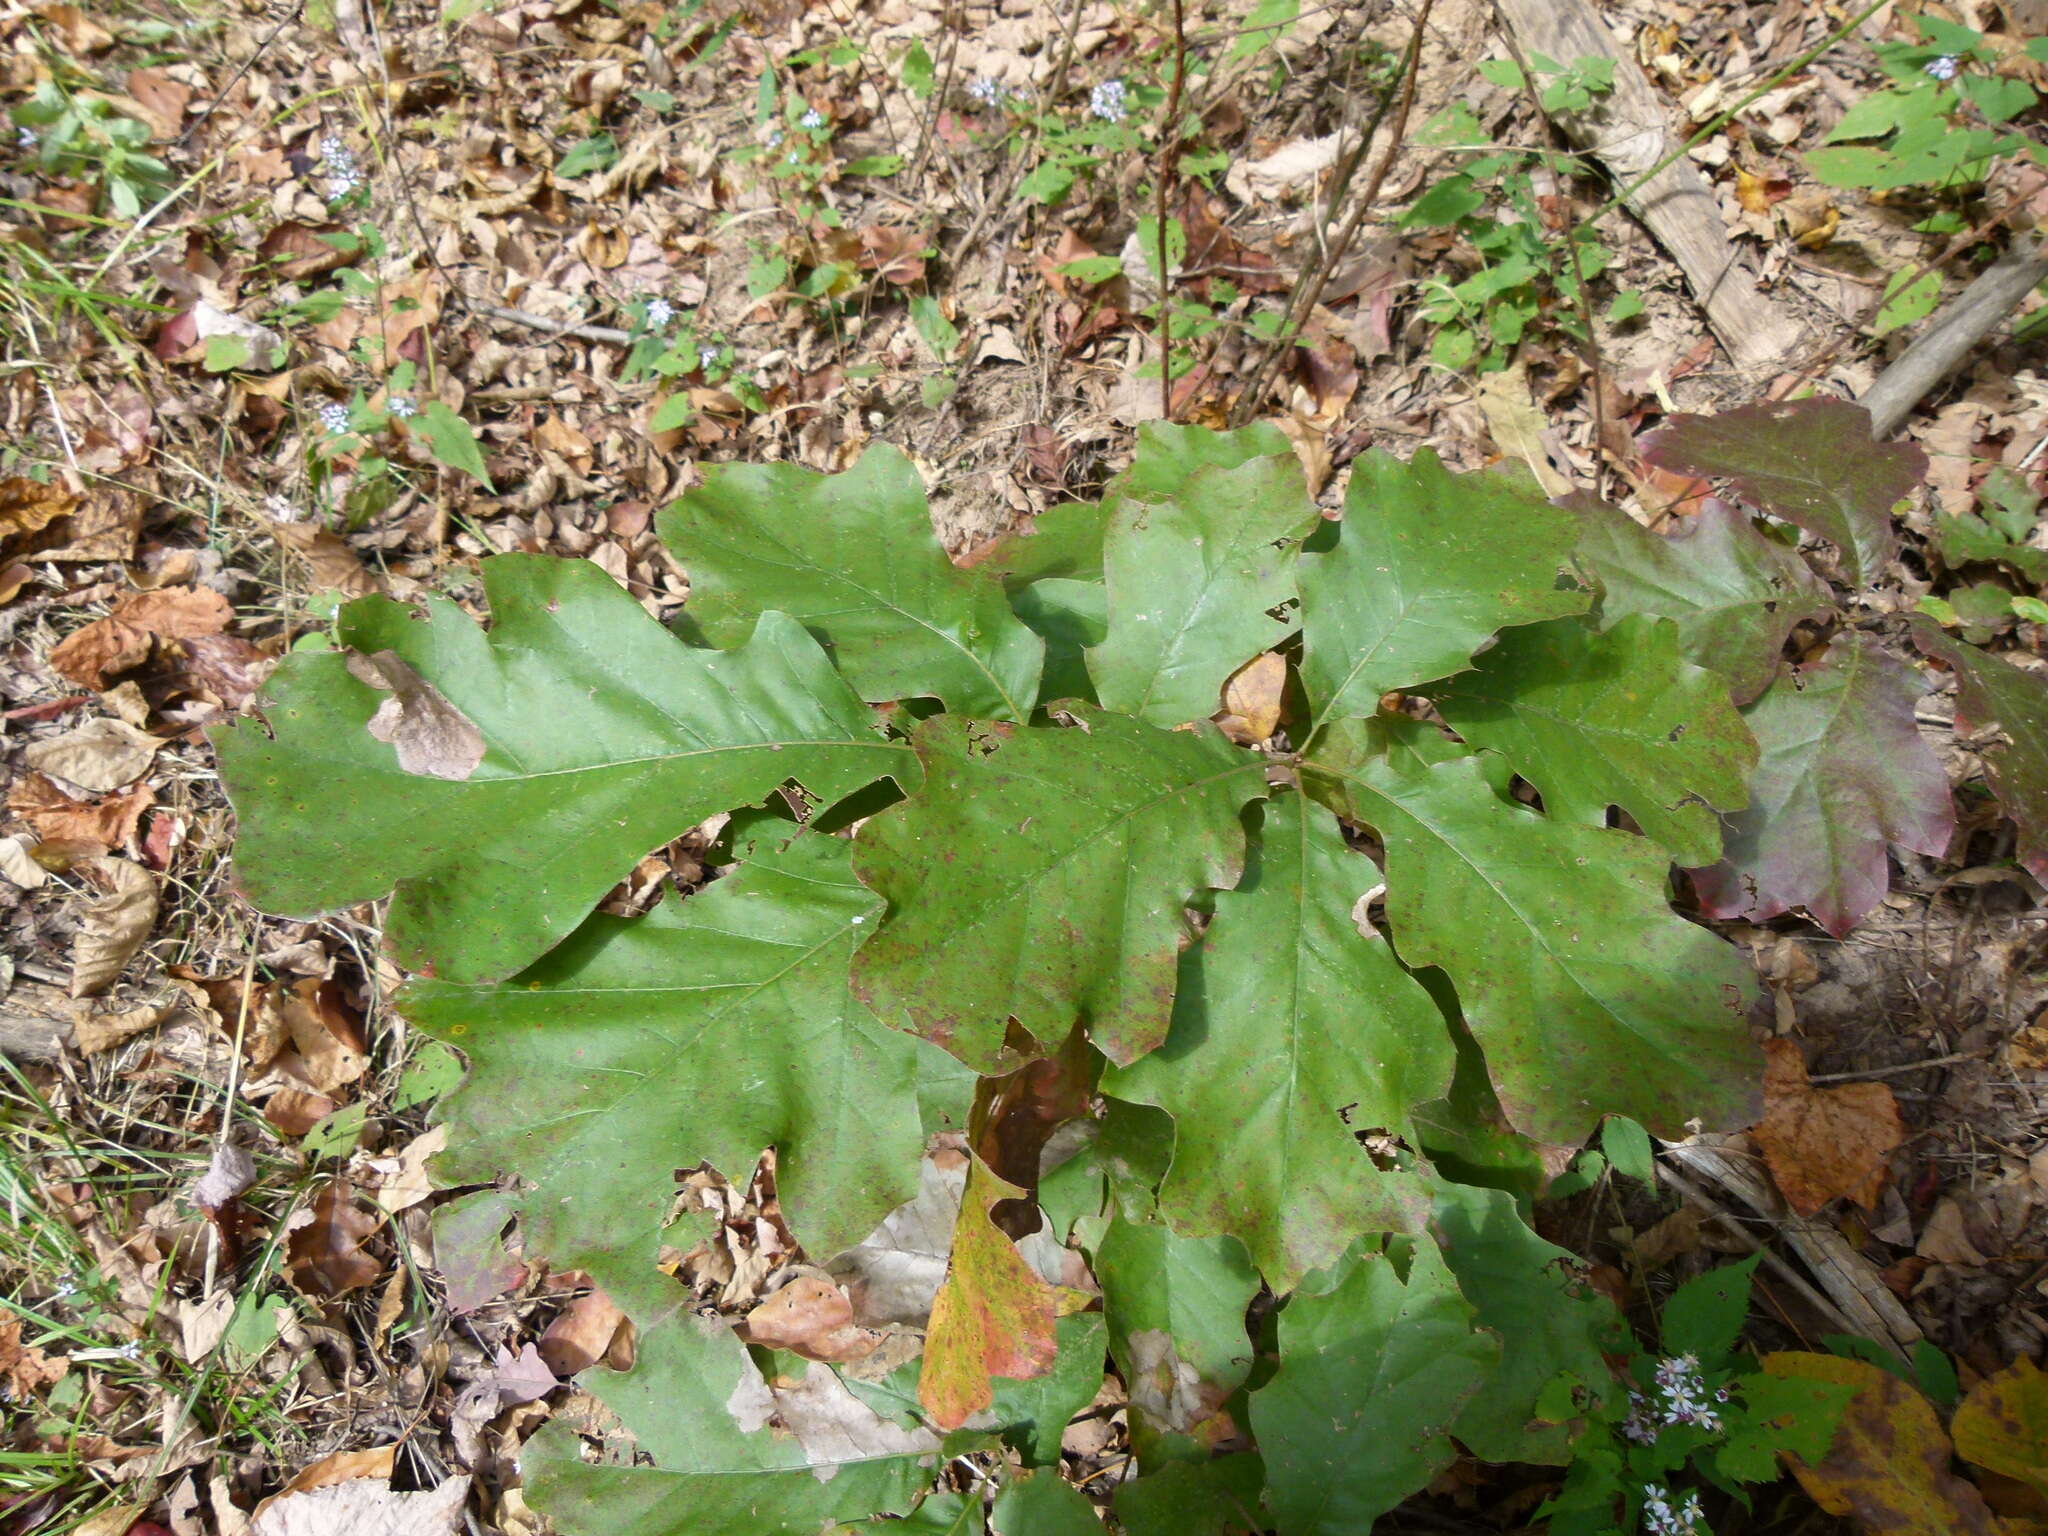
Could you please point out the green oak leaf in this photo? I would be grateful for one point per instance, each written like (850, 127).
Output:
(1042, 874)
(1194, 579)
(1194, 1498)
(730, 1450)
(1070, 616)
(853, 557)
(1595, 719)
(1588, 994)
(500, 782)
(1808, 461)
(1734, 594)
(1375, 1368)
(1843, 772)
(1427, 566)
(1554, 1328)
(1176, 1312)
(1994, 692)
(711, 1028)
(1326, 1035)
(1042, 1504)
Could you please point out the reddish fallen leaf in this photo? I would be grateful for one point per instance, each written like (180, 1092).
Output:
(101, 651)
(1825, 1142)
(300, 252)
(295, 1111)
(993, 1315)
(325, 1254)
(892, 254)
(24, 1368)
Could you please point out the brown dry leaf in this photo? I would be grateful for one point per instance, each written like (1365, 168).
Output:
(1946, 1237)
(329, 1037)
(98, 756)
(25, 1369)
(106, 823)
(176, 613)
(1889, 1465)
(1824, 1142)
(331, 566)
(433, 737)
(324, 1255)
(28, 506)
(366, 1507)
(81, 33)
(813, 1318)
(222, 667)
(13, 577)
(300, 252)
(894, 255)
(522, 1377)
(104, 525)
(589, 1330)
(1517, 426)
(114, 927)
(101, 650)
(94, 1030)
(295, 1111)
(162, 99)
(1251, 699)
(339, 1467)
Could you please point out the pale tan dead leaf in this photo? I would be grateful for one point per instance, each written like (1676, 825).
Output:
(1292, 167)
(17, 865)
(1820, 1143)
(522, 1378)
(1252, 698)
(366, 1507)
(1946, 1239)
(1517, 426)
(162, 99)
(98, 756)
(266, 347)
(97, 1030)
(432, 736)
(202, 1323)
(125, 702)
(114, 927)
(115, 1520)
(408, 1184)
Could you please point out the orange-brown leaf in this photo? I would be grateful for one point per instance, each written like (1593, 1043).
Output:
(1824, 1142)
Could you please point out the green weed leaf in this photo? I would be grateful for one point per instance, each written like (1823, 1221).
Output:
(451, 442)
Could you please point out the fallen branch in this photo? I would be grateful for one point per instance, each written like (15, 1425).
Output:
(1626, 131)
(1978, 310)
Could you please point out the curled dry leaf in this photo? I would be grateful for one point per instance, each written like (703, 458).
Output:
(1251, 699)
(331, 566)
(813, 1318)
(325, 1255)
(94, 1030)
(25, 1369)
(114, 927)
(431, 735)
(1824, 1142)
(332, 1051)
(591, 1329)
(103, 824)
(101, 650)
(17, 863)
(100, 755)
(300, 250)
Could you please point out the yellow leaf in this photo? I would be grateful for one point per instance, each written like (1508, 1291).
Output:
(2003, 1425)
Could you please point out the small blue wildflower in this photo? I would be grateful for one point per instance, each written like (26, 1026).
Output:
(775, 139)
(811, 119)
(26, 137)
(984, 89)
(343, 174)
(401, 406)
(1106, 101)
(334, 417)
(1945, 67)
(659, 313)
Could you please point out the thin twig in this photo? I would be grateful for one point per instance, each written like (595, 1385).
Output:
(1898, 1069)
(608, 333)
(1169, 157)
(1247, 402)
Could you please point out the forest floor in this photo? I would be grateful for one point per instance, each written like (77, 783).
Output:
(302, 303)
